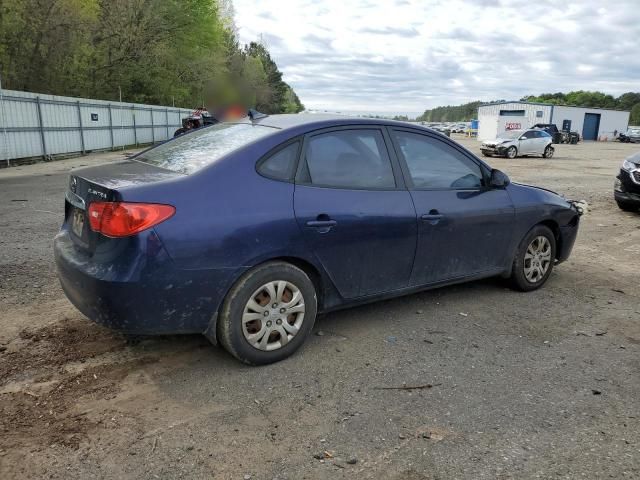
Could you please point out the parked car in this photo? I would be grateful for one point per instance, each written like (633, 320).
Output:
(458, 128)
(245, 231)
(626, 189)
(199, 118)
(558, 136)
(515, 143)
(632, 135)
(443, 129)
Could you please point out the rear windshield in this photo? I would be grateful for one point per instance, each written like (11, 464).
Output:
(193, 151)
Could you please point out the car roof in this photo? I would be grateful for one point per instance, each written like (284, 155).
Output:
(320, 120)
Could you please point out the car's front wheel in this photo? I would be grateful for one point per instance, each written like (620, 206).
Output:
(548, 152)
(512, 152)
(534, 259)
(268, 313)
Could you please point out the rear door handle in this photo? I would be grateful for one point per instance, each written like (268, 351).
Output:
(433, 217)
(322, 223)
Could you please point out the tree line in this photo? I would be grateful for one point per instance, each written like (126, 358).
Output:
(182, 52)
(629, 101)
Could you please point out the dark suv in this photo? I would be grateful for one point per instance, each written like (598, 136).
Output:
(558, 136)
(626, 188)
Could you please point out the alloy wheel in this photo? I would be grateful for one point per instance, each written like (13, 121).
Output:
(273, 315)
(537, 259)
(549, 151)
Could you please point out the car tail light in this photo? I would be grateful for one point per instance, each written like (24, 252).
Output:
(122, 219)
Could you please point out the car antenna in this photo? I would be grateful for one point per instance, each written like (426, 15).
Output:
(255, 115)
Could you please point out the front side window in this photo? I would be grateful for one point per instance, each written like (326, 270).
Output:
(193, 151)
(530, 134)
(434, 164)
(348, 159)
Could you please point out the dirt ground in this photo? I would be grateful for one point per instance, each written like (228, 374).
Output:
(537, 385)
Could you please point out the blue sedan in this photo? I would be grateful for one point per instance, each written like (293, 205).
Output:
(245, 231)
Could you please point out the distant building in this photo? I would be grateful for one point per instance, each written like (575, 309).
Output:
(590, 123)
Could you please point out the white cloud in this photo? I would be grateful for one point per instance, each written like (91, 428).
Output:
(407, 55)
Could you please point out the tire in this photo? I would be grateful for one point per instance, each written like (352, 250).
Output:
(234, 331)
(548, 152)
(485, 154)
(512, 152)
(524, 275)
(179, 132)
(627, 207)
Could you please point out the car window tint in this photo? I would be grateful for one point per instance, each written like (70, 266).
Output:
(349, 159)
(280, 165)
(529, 134)
(434, 164)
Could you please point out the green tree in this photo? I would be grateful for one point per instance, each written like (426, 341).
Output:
(154, 51)
(634, 117)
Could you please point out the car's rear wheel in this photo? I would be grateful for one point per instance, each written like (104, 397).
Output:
(627, 207)
(534, 259)
(548, 152)
(512, 152)
(268, 313)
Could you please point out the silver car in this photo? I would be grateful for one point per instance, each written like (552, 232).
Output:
(519, 143)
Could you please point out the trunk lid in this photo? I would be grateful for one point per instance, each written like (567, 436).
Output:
(104, 183)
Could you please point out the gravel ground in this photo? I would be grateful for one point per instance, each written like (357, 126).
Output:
(512, 385)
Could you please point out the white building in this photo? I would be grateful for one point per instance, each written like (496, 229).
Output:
(590, 123)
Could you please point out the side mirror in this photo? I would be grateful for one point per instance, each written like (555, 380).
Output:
(498, 179)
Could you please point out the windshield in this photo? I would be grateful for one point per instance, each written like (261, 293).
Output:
(511, 134)
(193, 151)
(633, 131)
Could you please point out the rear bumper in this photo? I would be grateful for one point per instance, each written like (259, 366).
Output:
(140, 291)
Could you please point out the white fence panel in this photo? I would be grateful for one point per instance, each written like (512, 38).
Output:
(35, 125)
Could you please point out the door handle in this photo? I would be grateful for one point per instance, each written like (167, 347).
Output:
(321, 223)
(433, 217)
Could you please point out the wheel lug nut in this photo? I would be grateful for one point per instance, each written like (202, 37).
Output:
(282, 310)
(266, 314)
(275, 305)
(279, 322)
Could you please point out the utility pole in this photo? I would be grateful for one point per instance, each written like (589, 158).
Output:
(4, 124)
(120, 109)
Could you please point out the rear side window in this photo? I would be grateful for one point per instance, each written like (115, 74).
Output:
(348, 159)
(193, 151)
(280, 165)
(434, 164)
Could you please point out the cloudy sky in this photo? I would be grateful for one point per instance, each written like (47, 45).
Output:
(405, 55)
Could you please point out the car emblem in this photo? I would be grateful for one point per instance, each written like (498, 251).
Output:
(74, 184)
